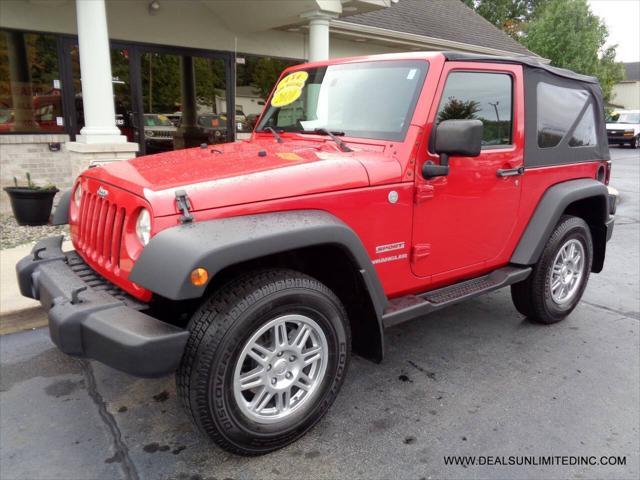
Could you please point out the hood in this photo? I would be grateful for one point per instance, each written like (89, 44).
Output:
(247, 172)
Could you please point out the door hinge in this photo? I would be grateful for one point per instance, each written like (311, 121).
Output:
(424, 191)
(420, 251)
(184, 205)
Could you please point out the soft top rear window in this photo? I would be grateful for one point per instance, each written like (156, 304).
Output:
(562, 111)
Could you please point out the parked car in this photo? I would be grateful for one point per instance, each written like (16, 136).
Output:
(215, 125)
(253, 269)
(174, 118)
(623, 128)
(158, 132)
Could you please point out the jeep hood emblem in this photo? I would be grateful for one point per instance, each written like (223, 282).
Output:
(103, 192)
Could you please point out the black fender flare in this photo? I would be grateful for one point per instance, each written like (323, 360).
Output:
(552, 205)
(165, 264)
(61, 213)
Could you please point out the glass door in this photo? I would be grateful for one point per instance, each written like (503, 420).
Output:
(165, 98)
(183, 100)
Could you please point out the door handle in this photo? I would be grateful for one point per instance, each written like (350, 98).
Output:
(510, 172)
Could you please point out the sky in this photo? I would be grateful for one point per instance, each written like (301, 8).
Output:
(623, 19)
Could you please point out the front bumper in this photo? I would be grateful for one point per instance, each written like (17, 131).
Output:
(620, 139)
(89, 317)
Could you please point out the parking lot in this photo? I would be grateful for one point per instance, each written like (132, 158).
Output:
(477, 379)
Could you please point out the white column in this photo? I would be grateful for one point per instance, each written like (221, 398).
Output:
(95, 70)
(318, 34)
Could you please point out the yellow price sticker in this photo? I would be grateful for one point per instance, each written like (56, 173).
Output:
(289, 89)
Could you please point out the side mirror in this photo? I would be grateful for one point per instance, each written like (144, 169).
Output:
(454, 137)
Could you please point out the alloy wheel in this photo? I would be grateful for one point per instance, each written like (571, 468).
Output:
(280, 368)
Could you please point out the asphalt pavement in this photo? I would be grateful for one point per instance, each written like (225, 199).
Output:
(476, 379)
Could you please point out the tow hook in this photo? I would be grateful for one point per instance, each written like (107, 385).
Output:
(184, 205)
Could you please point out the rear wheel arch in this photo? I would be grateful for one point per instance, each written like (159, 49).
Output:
(592, 210)
(584, 198)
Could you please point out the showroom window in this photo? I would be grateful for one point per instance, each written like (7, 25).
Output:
(30, 86)
(255, 78)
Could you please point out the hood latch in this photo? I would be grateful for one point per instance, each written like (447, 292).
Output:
(184, 205)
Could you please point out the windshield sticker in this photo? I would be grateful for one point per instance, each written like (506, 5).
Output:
(289, 89)
(412, 73)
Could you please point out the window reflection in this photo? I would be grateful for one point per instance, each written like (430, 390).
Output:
(30, 90)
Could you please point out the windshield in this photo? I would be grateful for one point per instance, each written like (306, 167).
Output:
(368, 100)
(157, 121)
(625, 118)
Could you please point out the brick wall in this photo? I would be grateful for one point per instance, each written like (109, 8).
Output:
(20, 154)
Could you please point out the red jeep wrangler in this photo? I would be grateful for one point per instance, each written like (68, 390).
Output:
(373, 190)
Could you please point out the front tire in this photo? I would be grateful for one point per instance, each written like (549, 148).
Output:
(558, 280)
(266, 358)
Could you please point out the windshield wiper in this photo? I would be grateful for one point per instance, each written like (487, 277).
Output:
(275, 133)
(333, 135)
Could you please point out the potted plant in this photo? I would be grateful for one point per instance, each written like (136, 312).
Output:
(31, 204)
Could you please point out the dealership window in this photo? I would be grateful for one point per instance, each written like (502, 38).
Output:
(184, 101)
(483, 96)
(30, 87)
(255, 78)
(558, 111)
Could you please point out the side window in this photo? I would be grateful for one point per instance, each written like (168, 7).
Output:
(585, 133)
(483, 96)
(558, 111)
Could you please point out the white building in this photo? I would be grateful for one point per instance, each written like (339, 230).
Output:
(79, 77)
(626, 94)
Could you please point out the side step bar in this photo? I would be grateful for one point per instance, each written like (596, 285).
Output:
(411, 306)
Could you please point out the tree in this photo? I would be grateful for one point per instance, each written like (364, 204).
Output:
(459, 109)
(511, 16)
(571, 36)
(265, 73)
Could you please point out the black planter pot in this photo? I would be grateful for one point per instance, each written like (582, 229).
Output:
(31, 206)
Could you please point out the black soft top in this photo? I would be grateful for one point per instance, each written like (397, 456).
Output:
(528, 61)
(536, 72)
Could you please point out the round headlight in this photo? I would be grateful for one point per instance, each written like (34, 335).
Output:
(77, 195)
(143, 226)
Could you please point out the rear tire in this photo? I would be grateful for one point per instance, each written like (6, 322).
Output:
(558, 280)
(266, 358)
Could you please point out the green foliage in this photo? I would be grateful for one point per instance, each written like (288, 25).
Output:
(511, 16)
(459, 109)
(571, 36)
(33, 186)
(265, 74)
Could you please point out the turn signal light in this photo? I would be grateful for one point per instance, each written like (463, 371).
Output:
(199, 276)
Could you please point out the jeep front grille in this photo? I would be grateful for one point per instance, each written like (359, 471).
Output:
(101, 226)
